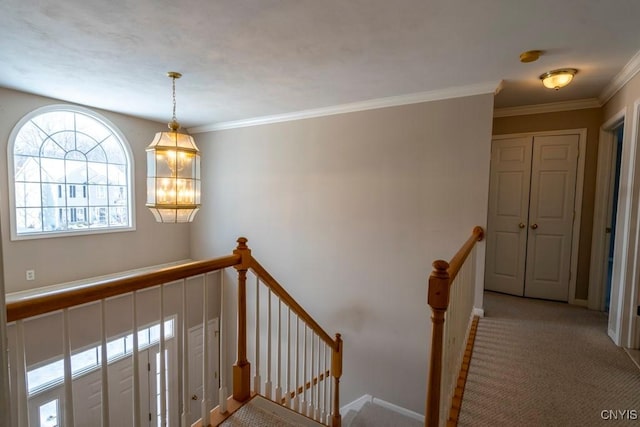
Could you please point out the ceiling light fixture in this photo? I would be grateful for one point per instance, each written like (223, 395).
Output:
(530, 56)
(173, 172)
(558, 78)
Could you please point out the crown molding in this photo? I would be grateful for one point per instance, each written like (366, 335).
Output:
(392, 101)
(551, 107)
(622, 78)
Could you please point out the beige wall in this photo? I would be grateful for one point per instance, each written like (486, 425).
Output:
(591, 119)
(62, 259)
(348, 212)
(623, 99)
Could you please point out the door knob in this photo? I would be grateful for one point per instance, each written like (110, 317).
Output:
(521, 225)
(194, 397)
(534, 226)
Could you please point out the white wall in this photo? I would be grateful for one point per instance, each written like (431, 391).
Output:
(63, 259)
(4, 348)
(624, 324)
(348, 212)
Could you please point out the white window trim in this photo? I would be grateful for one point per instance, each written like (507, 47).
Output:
(96, 346)
(10, 169)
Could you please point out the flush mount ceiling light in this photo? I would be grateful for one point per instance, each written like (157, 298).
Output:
(173, 172)
(558, 78)
(530, 56)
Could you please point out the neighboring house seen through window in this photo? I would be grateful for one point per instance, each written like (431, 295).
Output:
(71, 172)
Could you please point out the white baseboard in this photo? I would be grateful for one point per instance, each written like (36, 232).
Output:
(478, 312)
(399, 409)
(357, 404)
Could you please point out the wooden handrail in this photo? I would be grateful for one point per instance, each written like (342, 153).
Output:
(241, 260)
(41, 304)
(459, 258)
(335, 344)
(277, 289)
(440, 282)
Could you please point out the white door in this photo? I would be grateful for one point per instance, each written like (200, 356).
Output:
(46, 409)
(195, 368)
(551, 214)
(531, 212)
(508, 215)
(87, 392)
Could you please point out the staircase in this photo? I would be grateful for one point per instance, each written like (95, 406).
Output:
(367, 412)
(260, 412)
(293, 378)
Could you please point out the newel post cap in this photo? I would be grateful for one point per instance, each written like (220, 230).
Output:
(243, 250)
(438, 296)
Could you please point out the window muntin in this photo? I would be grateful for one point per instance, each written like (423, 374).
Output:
(71, 172)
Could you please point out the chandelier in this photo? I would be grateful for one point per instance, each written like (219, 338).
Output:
(173, 172)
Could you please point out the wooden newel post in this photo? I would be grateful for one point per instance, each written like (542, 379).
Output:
(438, 299)
(242, 367)
(336, 372)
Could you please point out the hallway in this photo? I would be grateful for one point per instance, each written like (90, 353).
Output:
(541, 363)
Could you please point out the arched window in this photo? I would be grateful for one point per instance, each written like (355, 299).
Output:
(71, 171)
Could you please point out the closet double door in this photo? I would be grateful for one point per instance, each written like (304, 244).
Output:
(531, 212)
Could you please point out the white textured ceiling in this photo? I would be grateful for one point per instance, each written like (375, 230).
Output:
(249, 58)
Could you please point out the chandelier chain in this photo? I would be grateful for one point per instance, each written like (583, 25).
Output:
(174, 98)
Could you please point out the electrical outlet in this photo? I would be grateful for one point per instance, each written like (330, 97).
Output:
(31, 275)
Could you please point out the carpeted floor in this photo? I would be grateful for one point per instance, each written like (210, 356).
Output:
(541, 363)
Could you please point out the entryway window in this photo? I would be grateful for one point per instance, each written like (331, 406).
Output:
(71, 171)
(51, 374)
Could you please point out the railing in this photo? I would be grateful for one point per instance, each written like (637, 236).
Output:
(137, 359)
(451, 297)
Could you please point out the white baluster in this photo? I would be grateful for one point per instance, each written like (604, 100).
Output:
(206, 369)
(330, 411)
(223, 394)
(312, 389)
(184, 368)
(279, 358)
(136, 365)
(21, 380)
(316, 415)
(257, 381)
(287, 397)
(323, 414)
(305, 402)
(68, 376)
(163, 364)
(296, 398)
(104, 364)
(268, 385)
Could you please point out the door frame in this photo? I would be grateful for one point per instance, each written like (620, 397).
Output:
(623, 326)
(601, 209)
(577, 203)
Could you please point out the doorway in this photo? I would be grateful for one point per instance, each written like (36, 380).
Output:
(46, 409)
(535, 200)
(618, 134)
